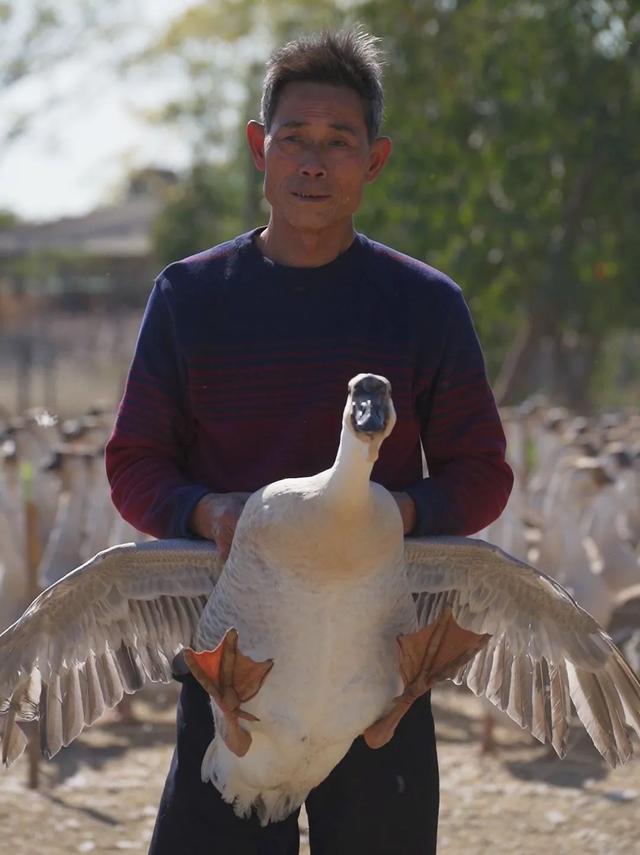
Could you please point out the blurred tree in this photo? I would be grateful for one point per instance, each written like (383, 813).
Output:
(203, 210)
(8, 218)
(39, 35)
(516, 168)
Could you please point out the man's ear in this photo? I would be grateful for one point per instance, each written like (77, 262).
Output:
(378, 155)
(255, 138)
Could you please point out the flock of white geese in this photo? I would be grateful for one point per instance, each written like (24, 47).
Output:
(59, 464)
(324, 623)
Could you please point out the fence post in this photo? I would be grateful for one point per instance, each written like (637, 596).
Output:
(33, 550)
(24, 372)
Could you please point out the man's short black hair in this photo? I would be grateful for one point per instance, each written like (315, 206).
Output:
(348, 58)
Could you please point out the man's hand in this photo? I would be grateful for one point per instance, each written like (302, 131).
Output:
(215, 517)
(407, 510)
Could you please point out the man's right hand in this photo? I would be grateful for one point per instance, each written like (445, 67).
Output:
(215, 518)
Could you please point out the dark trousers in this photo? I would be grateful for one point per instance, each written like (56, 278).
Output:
(382, 802)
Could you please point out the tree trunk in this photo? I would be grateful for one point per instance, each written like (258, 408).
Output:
(511, 384)
(574, 361)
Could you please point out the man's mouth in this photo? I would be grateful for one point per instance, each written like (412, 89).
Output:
(311, 197)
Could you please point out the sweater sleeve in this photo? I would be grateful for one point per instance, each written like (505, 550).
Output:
(469, 479)
(146, 454)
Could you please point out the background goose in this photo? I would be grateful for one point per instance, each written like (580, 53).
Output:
(565, 551)
(320, 583)
(14, 584)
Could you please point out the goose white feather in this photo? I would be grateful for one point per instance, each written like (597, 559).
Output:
(320, 580)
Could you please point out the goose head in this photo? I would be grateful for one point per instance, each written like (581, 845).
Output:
(369, 415)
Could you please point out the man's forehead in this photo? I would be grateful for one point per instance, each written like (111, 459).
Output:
(302, 103)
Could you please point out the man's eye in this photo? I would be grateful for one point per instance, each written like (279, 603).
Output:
(291, 138)
(338, 143)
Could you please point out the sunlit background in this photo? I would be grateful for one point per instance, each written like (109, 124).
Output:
(515, 169)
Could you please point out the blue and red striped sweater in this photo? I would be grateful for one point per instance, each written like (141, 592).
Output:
(240, 375)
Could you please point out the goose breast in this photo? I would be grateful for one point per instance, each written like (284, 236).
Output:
(291, 594)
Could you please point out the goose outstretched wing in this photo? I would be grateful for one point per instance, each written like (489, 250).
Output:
(545, 652)
(106, 628)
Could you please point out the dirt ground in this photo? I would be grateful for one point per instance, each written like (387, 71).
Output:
(100, 794)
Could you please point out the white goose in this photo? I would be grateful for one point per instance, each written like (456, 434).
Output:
(565, 551)
(14, 583)
(318, 586)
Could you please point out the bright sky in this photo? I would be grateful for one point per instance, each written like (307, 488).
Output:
(76, 154)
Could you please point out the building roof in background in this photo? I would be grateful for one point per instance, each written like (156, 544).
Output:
(119, 230)
(122, 230)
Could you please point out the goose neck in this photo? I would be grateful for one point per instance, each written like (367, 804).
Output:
(349, 477)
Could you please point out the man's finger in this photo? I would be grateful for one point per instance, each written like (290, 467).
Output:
(223, 536)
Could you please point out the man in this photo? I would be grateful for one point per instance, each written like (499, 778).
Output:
(239, 379)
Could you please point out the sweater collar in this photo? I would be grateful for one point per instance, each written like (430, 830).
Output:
(341, 265)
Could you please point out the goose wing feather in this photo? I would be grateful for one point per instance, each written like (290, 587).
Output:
(545, 653)
(104, 629)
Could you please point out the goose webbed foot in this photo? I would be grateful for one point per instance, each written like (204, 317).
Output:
(433, 653)
(230, 678)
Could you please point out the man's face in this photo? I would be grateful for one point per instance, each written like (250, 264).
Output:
(316, 156)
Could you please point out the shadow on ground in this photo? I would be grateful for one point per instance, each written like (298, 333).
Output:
(459, 719)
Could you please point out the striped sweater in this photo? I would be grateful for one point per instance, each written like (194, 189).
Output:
(240, 375)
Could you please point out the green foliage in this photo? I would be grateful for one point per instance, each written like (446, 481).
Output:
(8, 219)
(202, 211)
(617, 371)
(517, 141)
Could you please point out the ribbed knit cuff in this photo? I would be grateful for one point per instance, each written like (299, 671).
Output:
(189, 498)
(423, 511)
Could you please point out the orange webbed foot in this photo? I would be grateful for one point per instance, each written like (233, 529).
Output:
(433, 653)
(230, 678)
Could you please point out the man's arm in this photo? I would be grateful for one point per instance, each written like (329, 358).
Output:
(469, 480)
(145, 457)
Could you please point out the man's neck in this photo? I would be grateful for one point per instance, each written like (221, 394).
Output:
(293, 247)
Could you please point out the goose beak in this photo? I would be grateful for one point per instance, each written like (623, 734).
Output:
(370, 404)
(368, 416)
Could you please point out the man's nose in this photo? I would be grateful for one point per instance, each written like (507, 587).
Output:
(312, 164)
